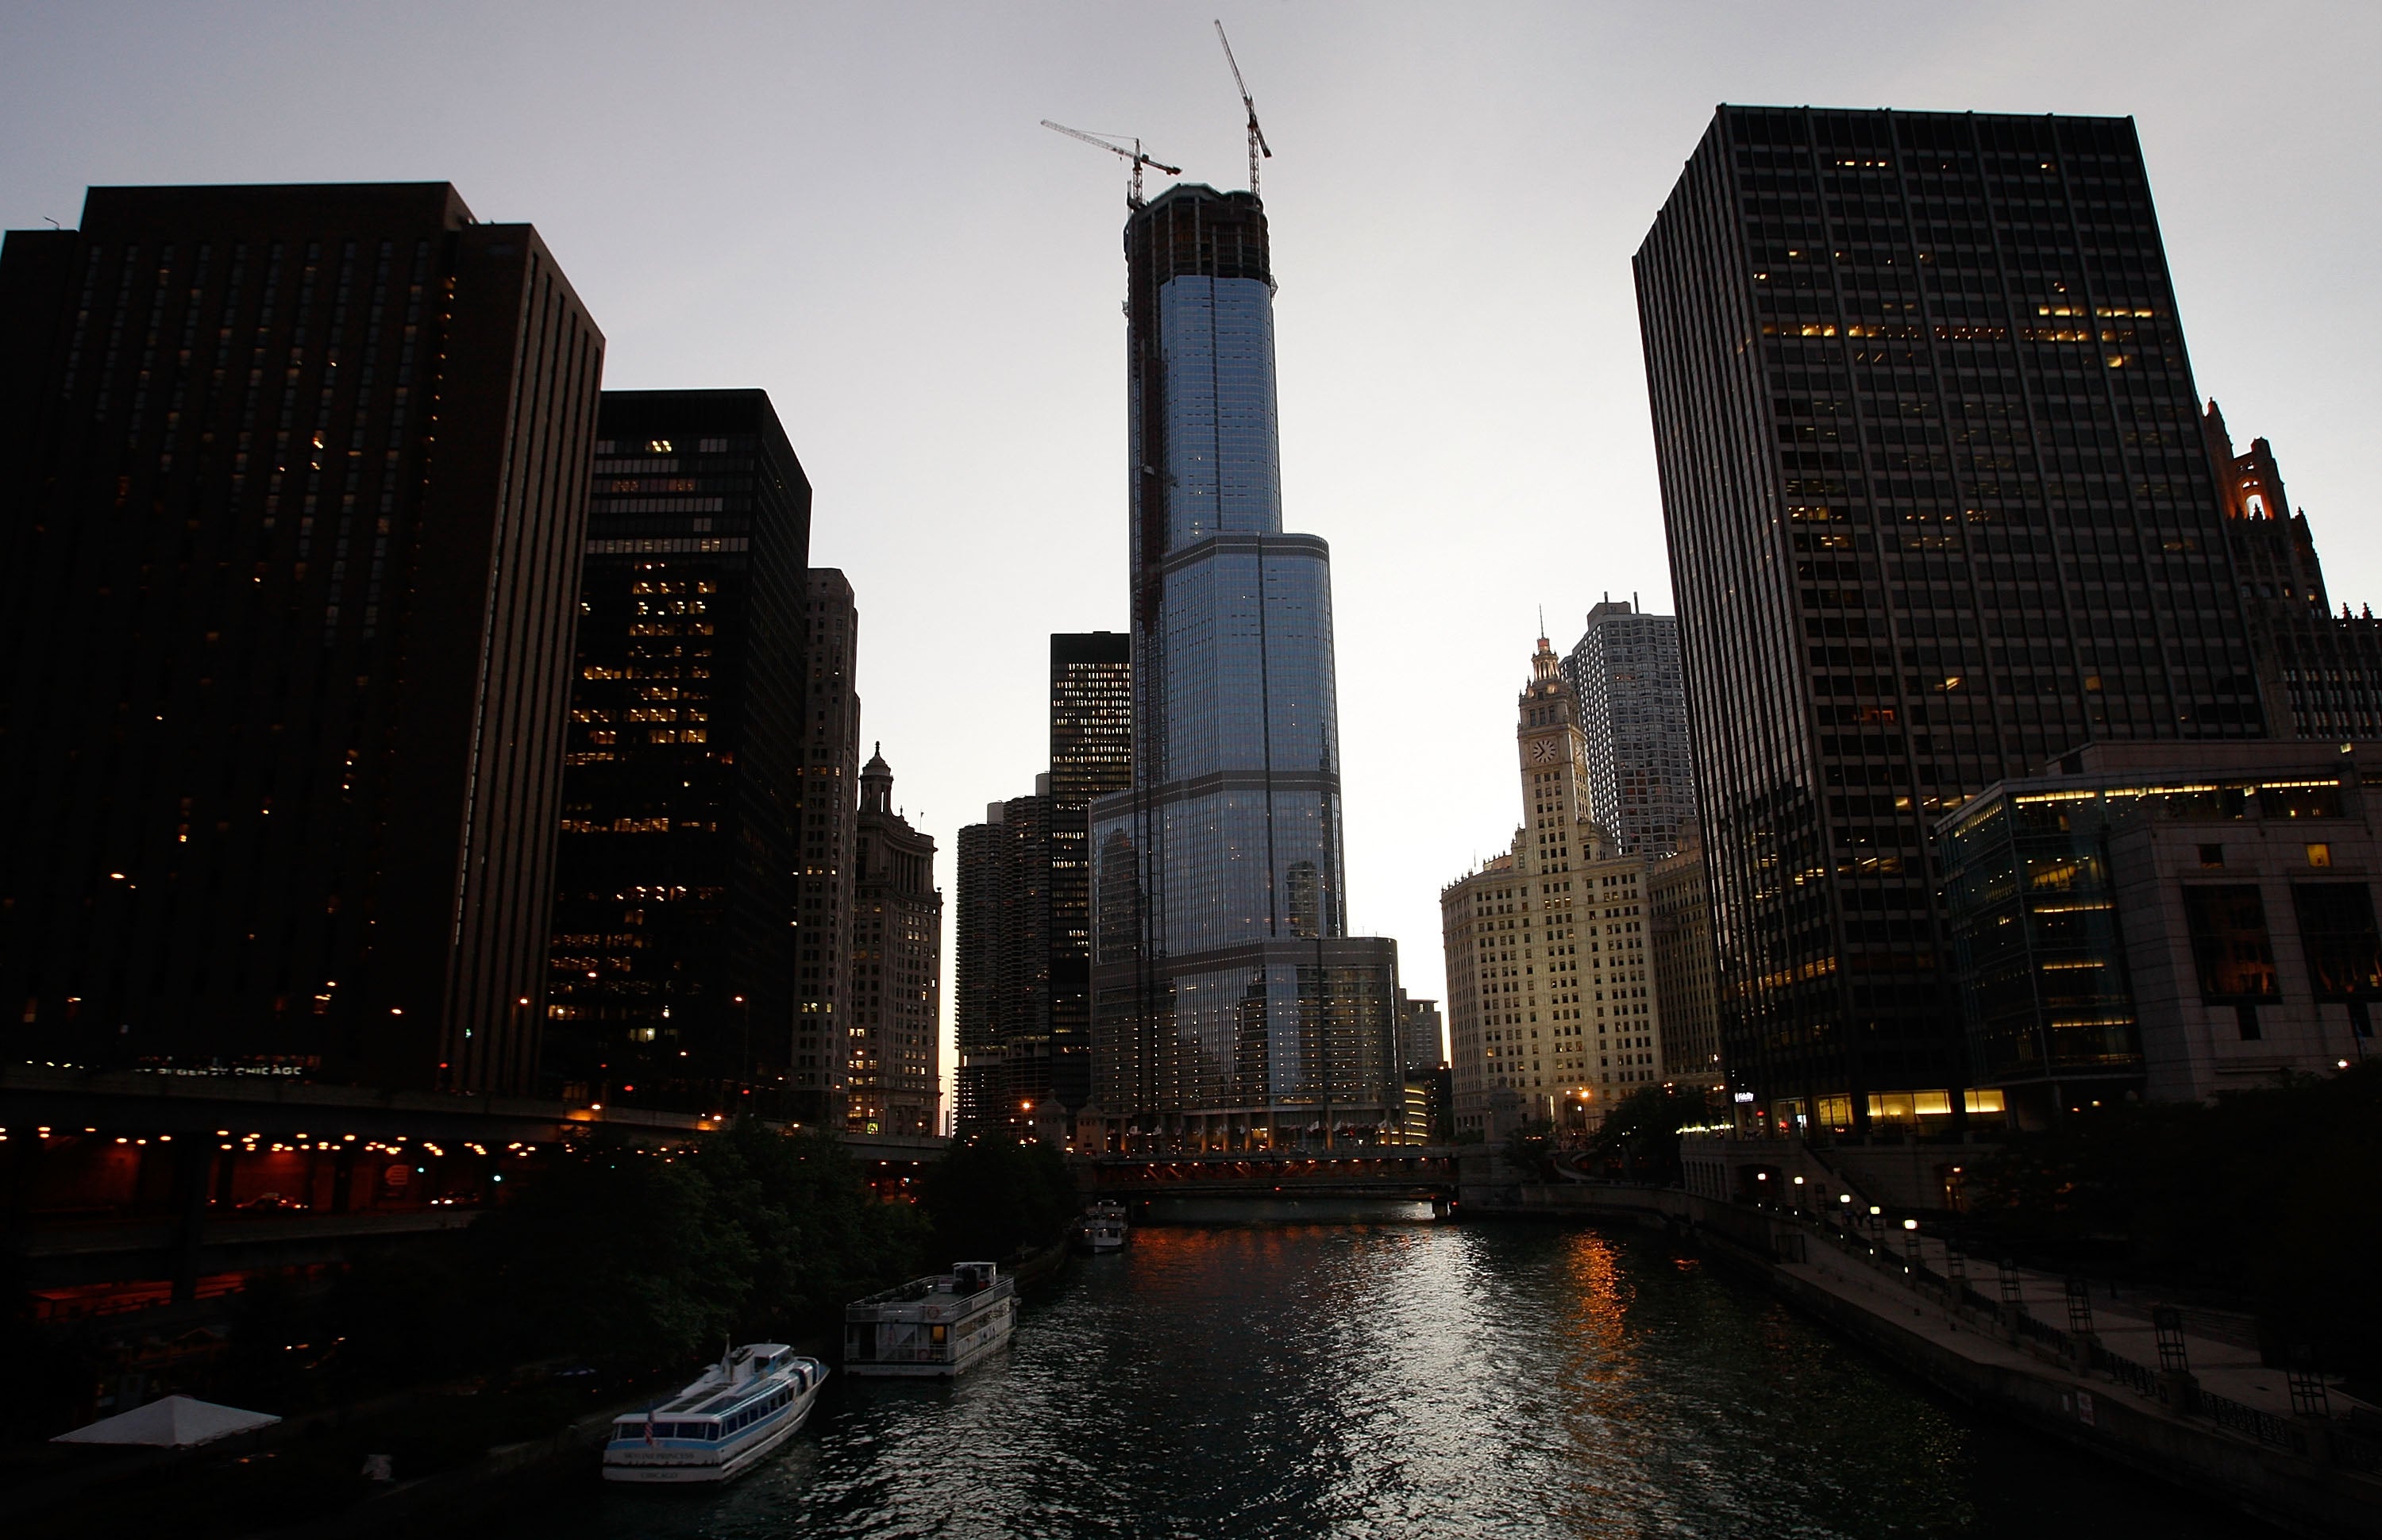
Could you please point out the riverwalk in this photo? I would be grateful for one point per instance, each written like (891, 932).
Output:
(2204, 1413)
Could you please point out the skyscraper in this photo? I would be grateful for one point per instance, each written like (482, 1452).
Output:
(295, 489)
(1091, 715)
(1625, 677)
(1091, 756)
(1937, 512)
(1552, 1010)
(2321, 672)
(673, 959)
(893, 1014)
(829, 811)
(1230, 1007)
(1023, 976)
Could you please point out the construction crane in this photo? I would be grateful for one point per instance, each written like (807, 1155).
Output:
(1258, 145)
(1133, 198)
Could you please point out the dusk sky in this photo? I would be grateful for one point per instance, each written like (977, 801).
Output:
(853, 208)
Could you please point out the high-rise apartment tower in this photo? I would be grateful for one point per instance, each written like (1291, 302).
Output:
(1938, 512)
(1633, 712)
(1229, 1006)
(673, 963)
(829, 811)
(293, 487)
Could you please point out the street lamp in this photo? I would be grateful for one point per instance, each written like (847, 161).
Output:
(1910, 1240)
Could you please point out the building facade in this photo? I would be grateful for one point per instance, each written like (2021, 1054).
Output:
(1625, 676)
(671, 975)
(2160, 920)
(1229, 1006)
(1008, 944)
(1553, 1010)
(829, 814)
(1422, 1036)
(2321, 672)
(1091, 757)
(893, 1012)
(284, 690)
(1937, 513)
(1678, 904)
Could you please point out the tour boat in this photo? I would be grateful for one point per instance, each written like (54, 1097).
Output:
(935, 1326)
(1101, 1227)
(723, 1424)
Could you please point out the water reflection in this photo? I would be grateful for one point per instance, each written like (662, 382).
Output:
(1391, 1378)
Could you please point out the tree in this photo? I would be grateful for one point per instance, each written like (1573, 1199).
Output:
(993, 1197)
(2269, 1194)
(1640, 1136)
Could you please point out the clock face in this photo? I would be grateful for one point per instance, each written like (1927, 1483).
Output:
(1544, 752)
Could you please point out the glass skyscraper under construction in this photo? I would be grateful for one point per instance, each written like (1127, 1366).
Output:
(1231, 1008)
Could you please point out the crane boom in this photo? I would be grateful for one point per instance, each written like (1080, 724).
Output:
(1133, 198)
(1258, 144)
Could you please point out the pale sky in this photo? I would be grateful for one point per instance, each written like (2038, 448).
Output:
(853, 207)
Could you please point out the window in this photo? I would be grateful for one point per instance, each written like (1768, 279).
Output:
(2338, 932)
(2319, 855)
(2212, 855)
(2234, 955)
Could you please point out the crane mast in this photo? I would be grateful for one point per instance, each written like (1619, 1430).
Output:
(1133, 197)
(1258, 145)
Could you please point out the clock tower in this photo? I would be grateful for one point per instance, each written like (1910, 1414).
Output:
(1558, 834)
(1551, 1017)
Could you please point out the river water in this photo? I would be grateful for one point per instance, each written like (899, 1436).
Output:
(1363, 1371)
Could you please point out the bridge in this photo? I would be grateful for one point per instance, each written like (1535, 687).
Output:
(1424, 1173)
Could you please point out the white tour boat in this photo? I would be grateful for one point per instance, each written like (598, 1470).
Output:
(1101, 1227)
(723, 1424)
(936, 1325)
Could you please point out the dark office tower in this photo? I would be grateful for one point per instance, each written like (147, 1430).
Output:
(1009, 953)
(979, 931)
(672, 968)
(1091, 715)
(2321, 672)
(292, 490)
(1230, 1007)
(1624, 673)
(826, 810)
(893, 1017)
(1937, 513)
(1091, 756)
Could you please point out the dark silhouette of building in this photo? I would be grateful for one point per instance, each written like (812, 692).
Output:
(296, 491)
(828, 810)
(2321, 672)
(893, 1011)
(1002, 1018)
(1937, 514)
(673, 977)
(1091, 756)
(1230, 1009)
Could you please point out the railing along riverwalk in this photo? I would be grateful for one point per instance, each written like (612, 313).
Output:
(2172, 1387)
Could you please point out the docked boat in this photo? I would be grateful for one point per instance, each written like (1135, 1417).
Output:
(935, 1326)
(723, 1424)
(1101, 1227)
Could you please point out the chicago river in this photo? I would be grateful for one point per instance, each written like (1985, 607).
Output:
(1363, 1372)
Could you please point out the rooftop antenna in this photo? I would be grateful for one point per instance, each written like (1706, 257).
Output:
(1258, 145)
(1132, 198)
